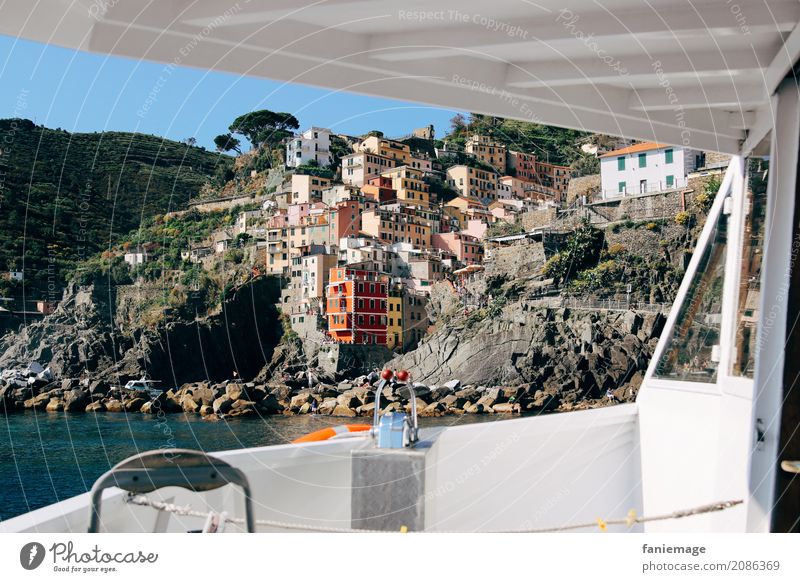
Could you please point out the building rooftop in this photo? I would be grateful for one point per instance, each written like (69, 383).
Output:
(639, 147)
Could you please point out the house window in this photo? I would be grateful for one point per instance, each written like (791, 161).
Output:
(642, 160)
(621, 186)
(668, 157)
(621, 163)
(670, 181)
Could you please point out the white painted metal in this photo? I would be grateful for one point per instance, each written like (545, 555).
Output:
(733, 267)
(697, 75)
(697, 433)
(780, 257)
(302, 484)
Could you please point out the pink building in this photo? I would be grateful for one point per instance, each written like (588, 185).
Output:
(476, 228)
(467, 249)
(296, 213)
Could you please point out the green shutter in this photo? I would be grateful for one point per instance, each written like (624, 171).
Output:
(668, 156)
(670, 181)
(622, 187)
(621, 163)
(642, 160)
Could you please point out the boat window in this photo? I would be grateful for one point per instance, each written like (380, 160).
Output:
(747, 312)
(693, 351)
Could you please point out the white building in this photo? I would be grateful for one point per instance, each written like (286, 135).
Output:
(136, 258)
(644, 168)
(359, 167)
(313, 144)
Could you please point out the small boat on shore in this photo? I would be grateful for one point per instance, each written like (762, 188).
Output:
(144, 384)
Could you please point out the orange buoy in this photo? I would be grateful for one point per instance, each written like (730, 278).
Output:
(329, 432)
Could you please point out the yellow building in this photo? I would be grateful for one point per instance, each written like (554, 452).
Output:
(277, 259)
(464, 209)
(487, 150)
(306, 188)
(394, 329)
(409, 186)
(473, 182)
(400, 225)
(395, 150)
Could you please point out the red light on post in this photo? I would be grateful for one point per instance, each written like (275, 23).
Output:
(402, 375)
(387, 374)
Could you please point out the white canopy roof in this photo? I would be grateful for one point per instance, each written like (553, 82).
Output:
(692, 72)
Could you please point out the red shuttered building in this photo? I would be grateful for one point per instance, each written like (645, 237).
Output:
(356, 305)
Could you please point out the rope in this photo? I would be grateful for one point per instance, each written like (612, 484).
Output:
(631, 519)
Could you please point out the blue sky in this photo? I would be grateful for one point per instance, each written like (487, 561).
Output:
(78, 91)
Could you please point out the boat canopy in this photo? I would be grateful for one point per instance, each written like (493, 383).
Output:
(696, 73)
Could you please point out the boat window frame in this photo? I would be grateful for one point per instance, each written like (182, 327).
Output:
(730, 198)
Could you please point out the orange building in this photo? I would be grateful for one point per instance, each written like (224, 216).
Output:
(379, 189)
(357, 305)
(345, 220)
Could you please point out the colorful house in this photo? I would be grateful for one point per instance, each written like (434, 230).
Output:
(357, 303)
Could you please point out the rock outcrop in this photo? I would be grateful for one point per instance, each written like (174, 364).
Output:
(87, 336)
(571, 354)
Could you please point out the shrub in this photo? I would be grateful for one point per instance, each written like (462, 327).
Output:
(234, 256)
(581, 251)
(682, 218)
(616, 249)
(705, 199)
(651, 226)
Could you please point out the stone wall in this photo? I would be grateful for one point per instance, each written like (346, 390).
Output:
(644, 207)
(538, 218)
(582, 186)
(519, 260)
(227, 203)
(716, 159)
(352, 359)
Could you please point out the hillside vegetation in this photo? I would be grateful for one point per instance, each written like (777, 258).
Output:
(66, 196)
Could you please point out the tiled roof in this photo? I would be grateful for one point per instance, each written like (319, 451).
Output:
(639, 147)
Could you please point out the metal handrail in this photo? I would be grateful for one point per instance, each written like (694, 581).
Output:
(414, 428)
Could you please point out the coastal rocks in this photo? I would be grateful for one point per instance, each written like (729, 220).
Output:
(76, 400)
(222, 405)
(189, 404)
(341, 410)
(114, 405)
(234, 390)
(134, 404)
(524, 360)
(99, 388)
(38, 402)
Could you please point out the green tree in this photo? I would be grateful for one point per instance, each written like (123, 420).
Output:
(584, 166)
(225, 142)
(264, 127)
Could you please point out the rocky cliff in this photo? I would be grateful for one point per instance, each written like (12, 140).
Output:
(570, 354)
(85, 336)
